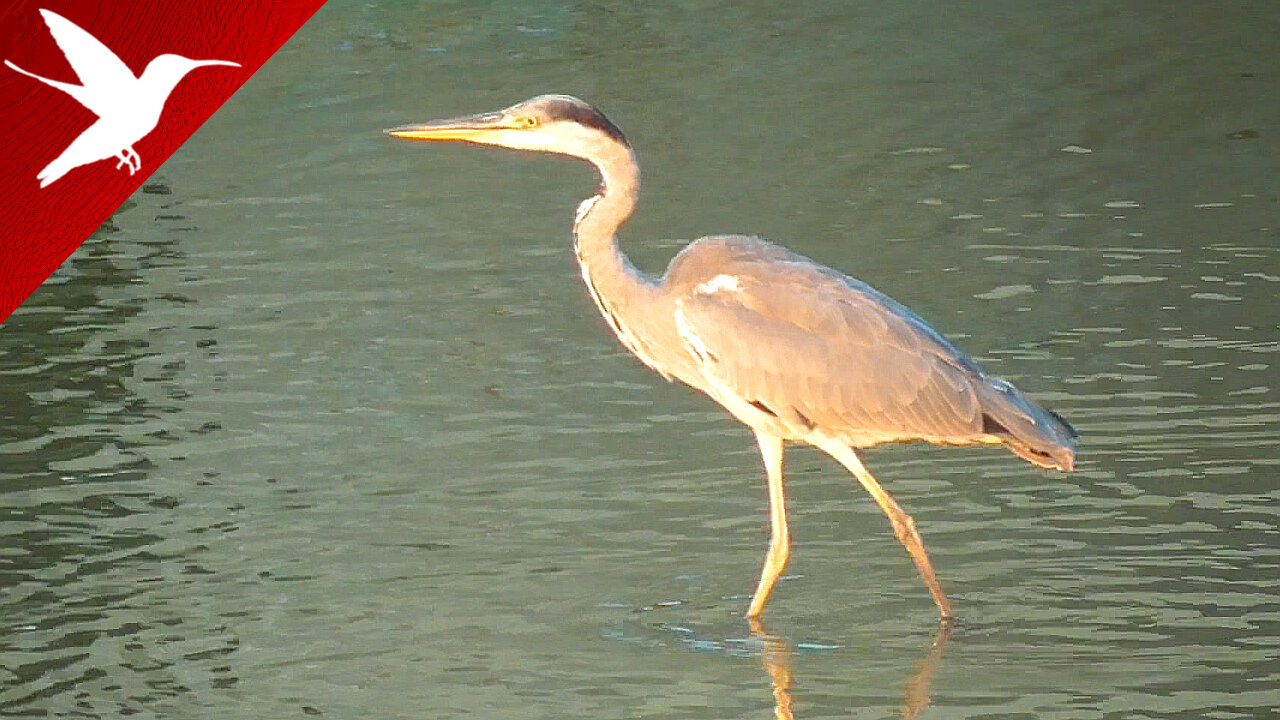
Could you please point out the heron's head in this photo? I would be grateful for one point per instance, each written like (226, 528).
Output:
(548, 123)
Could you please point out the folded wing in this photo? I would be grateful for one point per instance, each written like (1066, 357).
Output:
(821, 350)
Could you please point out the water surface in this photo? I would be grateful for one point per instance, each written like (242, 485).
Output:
(322, 424)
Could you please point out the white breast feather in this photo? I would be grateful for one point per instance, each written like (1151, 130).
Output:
(696, 346)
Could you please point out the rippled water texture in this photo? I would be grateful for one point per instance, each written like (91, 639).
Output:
(323, 424)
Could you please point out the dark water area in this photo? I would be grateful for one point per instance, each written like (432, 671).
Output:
(324, 424)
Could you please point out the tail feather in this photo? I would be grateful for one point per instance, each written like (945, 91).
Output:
(1035, 434)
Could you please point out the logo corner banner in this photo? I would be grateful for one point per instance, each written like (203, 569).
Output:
(97, 97)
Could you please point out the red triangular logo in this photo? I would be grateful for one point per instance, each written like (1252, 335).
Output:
(95, 97)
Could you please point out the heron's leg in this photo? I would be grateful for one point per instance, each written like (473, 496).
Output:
(903, 526)
(779, 540)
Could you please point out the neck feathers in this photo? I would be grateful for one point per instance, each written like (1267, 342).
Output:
(596, 224)
(619, 290)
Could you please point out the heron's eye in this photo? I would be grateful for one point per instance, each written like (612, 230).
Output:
(527, 122)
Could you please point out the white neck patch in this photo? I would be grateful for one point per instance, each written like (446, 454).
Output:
(583, 208)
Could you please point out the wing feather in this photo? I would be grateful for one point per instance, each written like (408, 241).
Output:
(803, 340)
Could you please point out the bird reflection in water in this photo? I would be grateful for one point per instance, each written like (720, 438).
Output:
(776, 653)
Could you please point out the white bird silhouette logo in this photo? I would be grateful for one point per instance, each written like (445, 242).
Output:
(127, 107)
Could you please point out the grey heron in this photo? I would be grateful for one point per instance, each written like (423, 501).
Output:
(795, 350)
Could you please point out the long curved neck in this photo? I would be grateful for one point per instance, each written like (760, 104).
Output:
(596, 225)
(621, 292)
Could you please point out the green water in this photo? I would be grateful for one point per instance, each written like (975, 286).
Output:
(324, 424)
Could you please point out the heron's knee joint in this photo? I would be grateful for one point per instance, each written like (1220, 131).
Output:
(904, 529)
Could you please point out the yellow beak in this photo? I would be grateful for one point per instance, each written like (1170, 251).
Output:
(470, 128)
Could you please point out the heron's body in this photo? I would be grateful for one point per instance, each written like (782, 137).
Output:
(795, 350)
(849, 362)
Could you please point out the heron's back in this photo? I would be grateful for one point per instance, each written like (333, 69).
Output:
(806, 349)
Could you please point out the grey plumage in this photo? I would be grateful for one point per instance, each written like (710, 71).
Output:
(818, 349)
(795, 350)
